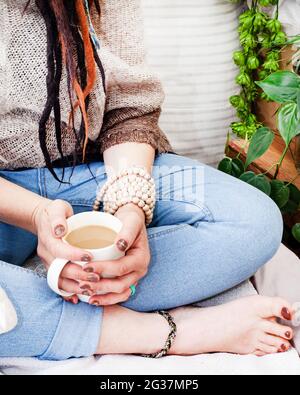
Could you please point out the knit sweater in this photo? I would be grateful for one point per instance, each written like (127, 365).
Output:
(128, 112)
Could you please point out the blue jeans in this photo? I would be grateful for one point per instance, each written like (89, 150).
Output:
(210, 233)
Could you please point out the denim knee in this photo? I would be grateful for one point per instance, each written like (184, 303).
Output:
(265, 228)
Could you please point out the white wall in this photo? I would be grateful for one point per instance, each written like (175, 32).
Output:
(190, 45)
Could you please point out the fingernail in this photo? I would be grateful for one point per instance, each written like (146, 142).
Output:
(285, 312)
(87, 293)
(88, 269)
(86, 258)
(122, 245)
(283, 347)
(85, 287)
(288, 335)
(97, 304)
(59, 230)
(93, 278)
(72, 300)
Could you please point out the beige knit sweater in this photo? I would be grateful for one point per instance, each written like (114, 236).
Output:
(129, 111)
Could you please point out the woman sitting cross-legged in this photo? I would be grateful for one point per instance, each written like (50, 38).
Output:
(78, 107)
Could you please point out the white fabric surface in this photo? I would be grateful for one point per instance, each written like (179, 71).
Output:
(289, 16)
(213, 364)
(190, 45)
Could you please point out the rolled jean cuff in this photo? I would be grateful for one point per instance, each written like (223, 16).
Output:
(77, 334)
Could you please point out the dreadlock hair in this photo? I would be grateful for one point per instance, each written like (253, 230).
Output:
(68, 30)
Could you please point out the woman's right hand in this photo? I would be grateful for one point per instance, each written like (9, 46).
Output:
(50, 225)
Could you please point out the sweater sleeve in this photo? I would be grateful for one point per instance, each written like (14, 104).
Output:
(134, 94)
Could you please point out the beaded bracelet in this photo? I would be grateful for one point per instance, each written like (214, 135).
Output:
(134, 185)
(170, 340)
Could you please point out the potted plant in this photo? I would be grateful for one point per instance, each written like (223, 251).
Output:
(268, 106)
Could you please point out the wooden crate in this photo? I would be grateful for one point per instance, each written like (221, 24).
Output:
(288, 172)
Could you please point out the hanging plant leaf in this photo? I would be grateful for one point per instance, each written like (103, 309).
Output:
(294, 193)
(259, 181)
(233, 167)
(225, 165)
(248, 176)
(281, 87)
(290, 208)
(296, 232)
(237, 167)
(298, 101)
(293, 204)
(259, 145)
(288, 122)
(280, 193)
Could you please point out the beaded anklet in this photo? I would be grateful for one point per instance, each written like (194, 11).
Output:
(170, 340)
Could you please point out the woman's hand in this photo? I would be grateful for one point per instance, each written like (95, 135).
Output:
(128, 270)
(50, 226)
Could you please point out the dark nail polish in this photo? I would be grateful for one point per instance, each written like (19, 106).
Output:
(93, 278)
(59, 230)
(288, 335)
(283, 347)
(85, 287)
(122, 245)
(71, 300)
(285, 312)
(88, 269)
(87, 293)
(86, 258)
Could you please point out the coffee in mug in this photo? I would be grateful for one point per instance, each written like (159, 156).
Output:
(94, 232)
(91, 237)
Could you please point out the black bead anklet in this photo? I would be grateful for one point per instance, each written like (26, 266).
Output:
(170, 340)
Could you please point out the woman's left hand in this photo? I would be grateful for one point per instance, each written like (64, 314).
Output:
(128, 270)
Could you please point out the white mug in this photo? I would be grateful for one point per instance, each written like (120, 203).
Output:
(109, 253)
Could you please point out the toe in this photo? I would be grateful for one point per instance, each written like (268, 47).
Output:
(277, 307)
(267, 349)
(275, 329)
(280, 345)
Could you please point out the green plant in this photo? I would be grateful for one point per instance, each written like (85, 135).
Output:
(282, 87)
(262, 39)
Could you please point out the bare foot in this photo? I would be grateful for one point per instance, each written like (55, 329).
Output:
(246, 326)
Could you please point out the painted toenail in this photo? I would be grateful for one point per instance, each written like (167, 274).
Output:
(285, 312)
(288, 335)
(283, 347)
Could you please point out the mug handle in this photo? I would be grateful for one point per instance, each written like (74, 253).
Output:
(53, 276)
